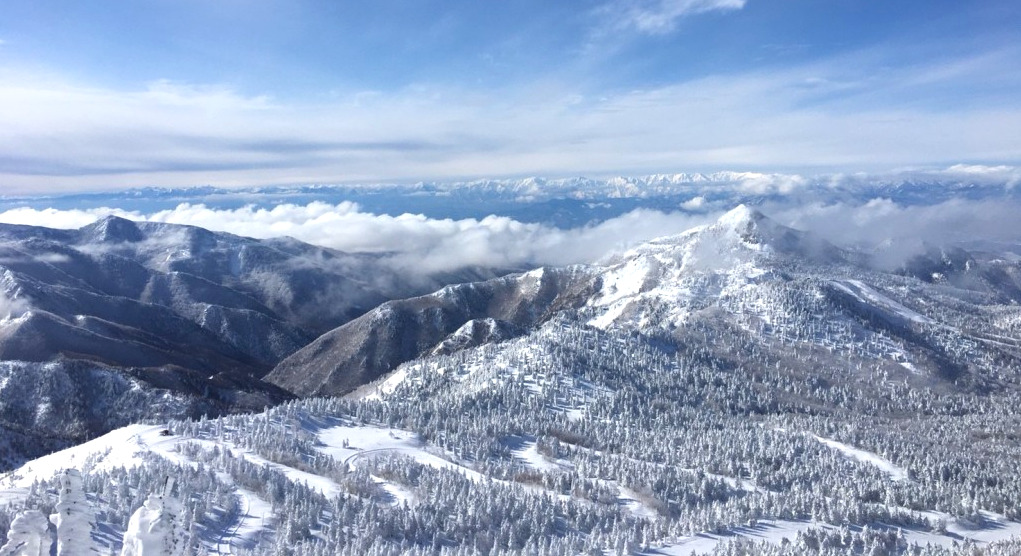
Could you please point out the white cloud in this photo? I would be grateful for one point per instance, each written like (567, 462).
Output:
(1008, 175)
(50, 258)
(412, 242)
(63, 219)
(415, 243)
(902, 231)
(12, 307)
(763, 184)
(55, 136)
(694, 203)
(658, 17)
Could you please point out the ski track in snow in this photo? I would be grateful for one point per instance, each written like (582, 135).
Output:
(398, 493)
(252, 521)
(127, 447)
(223, 543)
(771, 531)
(870, 296)
(529, 454)
(365, 440)
(995, 528)
(896, 473)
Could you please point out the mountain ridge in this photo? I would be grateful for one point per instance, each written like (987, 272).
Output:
(744, 268)
(177, 309)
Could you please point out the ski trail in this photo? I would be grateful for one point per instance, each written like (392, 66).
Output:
(896, 473)
(223, 543)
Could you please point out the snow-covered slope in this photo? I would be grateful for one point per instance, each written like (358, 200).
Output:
(366, 348)
(744, 270)
(661, 281)
(741, 388)
(171, 320)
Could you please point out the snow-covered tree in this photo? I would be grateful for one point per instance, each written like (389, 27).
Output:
(73, 516)
(157, 528)
(29, 535)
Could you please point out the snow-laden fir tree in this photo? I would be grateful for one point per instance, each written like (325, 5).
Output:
(73, 516)
(157, 528)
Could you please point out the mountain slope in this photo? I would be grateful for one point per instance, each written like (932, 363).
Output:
(176, 309)
(744, 271)
(397, 331)
(738, 389)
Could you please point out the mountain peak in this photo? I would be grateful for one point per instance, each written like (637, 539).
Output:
(752, 227)
(740, 218)
(758, 231)
(113, 229)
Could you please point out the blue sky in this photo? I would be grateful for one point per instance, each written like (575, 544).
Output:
(229, 92)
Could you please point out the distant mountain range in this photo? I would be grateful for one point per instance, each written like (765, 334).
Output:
(575, 201)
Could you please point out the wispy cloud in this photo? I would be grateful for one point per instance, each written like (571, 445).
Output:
(848, 113)
(12, 308)
(896, 232)
(1010, 176)
(657, 17)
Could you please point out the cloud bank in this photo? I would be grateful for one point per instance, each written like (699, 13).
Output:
(893, 232)
(410, 242)
(417, 244)
(12, 308)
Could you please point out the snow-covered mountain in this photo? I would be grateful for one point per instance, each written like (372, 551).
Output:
(462, 315)
(123, 320)
(741, 388)
(744, 271)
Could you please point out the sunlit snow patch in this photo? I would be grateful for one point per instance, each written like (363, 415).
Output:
(349, 443)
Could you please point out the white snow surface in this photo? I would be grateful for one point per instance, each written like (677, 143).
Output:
(529, 454)
(896, 473)
(362, 441)
(73, 516)
(389, 384)
(349, 443)
(127, 446)
(767, 530)
(994, 527)
(868, 295)
(29, 535)
(658, 281)
(155, 528)
(119, 448)
(254, 521)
